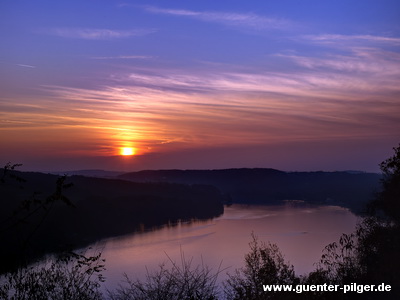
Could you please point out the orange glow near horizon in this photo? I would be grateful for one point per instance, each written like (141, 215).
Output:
(127, 151)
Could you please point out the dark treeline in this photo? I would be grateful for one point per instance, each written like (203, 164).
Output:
(266, 186)
(88, 209)
(368, 256)
(101, 208)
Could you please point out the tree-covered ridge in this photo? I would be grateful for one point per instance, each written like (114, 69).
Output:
(45, 213)
(367, 256)
(266, 186)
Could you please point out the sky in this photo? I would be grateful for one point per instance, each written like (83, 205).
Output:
(293, 85)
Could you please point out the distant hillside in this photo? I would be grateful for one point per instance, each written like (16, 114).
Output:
(141, 200)
(90, 173)
(101, 208)
(350, 189)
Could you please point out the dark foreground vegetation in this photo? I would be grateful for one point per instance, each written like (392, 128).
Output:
(370, 255)
(60, 213)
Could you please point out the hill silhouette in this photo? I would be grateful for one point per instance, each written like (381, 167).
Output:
(138, 201)
(266, 186)
(99, 208)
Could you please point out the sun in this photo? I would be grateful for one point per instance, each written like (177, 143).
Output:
(127, 151)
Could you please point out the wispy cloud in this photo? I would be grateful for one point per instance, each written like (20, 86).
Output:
(175, 108)
(198, 108)
(370, 62)
(362, 71)
(17, 64)
(332, 38)
(350, 94)
(96, 34)
(124, 57)
(26, 66)
(232, 19)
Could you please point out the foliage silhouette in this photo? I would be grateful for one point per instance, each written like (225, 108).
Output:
(339, 261)
(388, 200)
(370, 255)
(123, 208)
(264, 264)
(26, 217)
(175, 283)
(7, 172)
(71, 276)
(367, 256)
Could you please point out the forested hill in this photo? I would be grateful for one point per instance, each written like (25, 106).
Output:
(350, 189)
(94, 208)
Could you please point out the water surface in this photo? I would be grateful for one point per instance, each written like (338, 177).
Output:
(301, 232)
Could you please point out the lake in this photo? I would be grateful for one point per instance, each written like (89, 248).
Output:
(300, 230)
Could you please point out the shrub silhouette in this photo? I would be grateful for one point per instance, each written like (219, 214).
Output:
(71, 276)
(264, 264)
(22, 218)
(367, 256)
(370, 255)
(175, 283)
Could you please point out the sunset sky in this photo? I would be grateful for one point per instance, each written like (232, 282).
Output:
(293, 85)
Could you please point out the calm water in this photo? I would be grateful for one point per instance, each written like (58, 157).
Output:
(301, 231)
